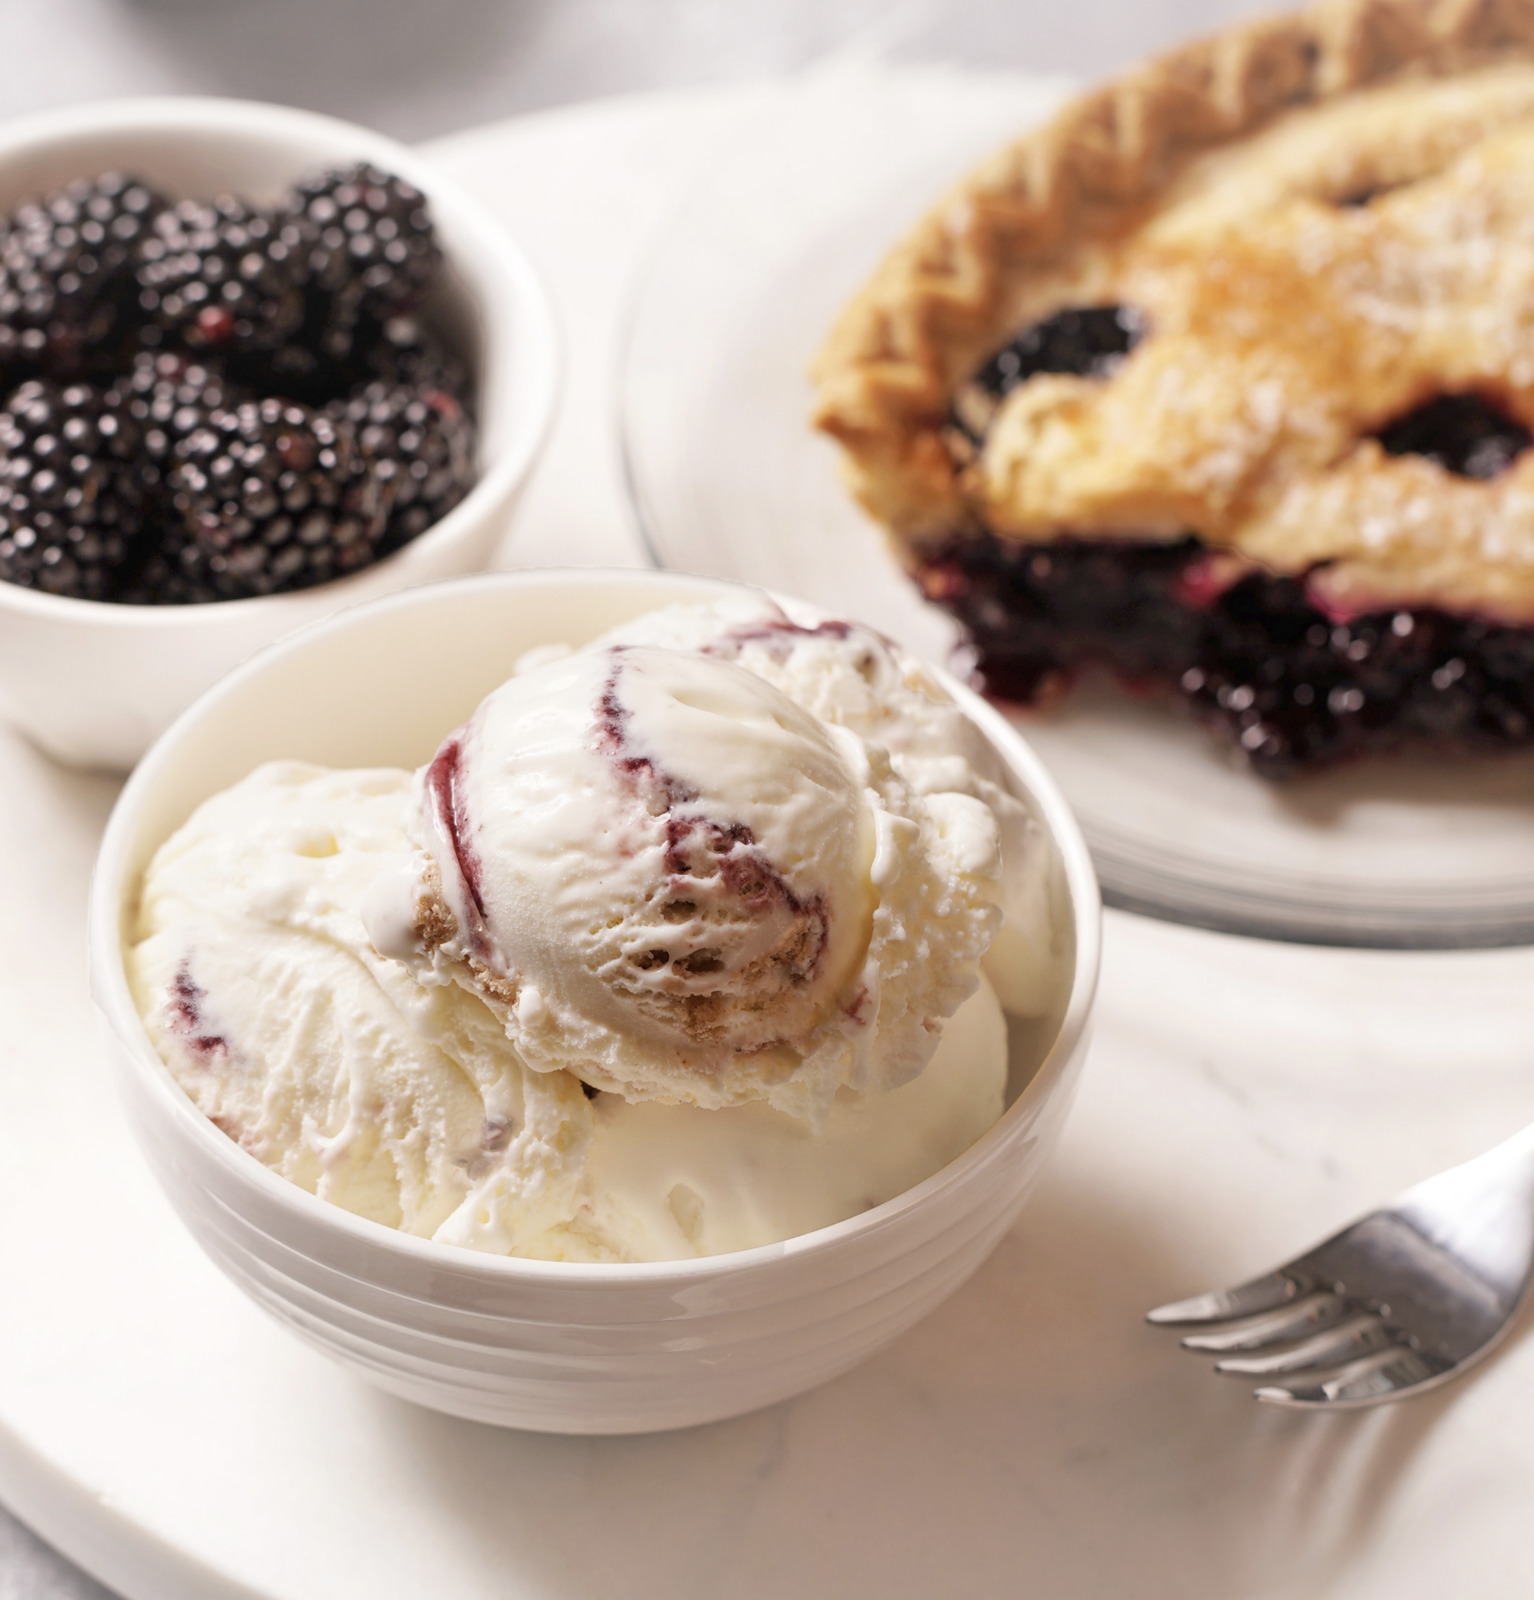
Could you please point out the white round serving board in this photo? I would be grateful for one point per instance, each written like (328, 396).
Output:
(1032, 1437)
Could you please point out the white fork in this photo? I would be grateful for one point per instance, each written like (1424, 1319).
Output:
(1403, 1300)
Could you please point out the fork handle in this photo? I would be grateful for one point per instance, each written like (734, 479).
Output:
(1482, 1211)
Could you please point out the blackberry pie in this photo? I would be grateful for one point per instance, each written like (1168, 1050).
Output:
(1223, 380)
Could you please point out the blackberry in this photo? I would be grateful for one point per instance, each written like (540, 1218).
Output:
(265, 497)
(1086, 341)
(372, 250)
(66, 285)
(419, 446)
(220, 274)
(167, 396)
(70, 503)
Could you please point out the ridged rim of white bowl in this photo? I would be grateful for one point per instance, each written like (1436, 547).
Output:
(109, 985)
(191, 114)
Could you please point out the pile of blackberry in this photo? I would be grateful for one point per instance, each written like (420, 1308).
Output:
(210, 400)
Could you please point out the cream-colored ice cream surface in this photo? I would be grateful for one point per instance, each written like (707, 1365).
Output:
(405, 1102)
(674, 948)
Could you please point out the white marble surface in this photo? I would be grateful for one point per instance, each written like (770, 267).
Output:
(1032, 1435)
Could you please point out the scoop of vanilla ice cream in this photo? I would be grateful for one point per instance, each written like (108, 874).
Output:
(674, 881)
(848, 676)
(330, 1064)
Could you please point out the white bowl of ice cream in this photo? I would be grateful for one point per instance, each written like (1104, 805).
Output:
(92, 682)
(530, 1163)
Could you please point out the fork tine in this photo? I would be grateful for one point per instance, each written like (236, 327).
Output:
(1245, 1300)
(1379, 1377)
(1358, 1336)
(1307, 1315)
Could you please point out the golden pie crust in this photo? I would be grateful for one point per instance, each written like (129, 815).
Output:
(1325, 221)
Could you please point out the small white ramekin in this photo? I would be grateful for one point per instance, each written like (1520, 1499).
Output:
(94, 683)
(546, 1345)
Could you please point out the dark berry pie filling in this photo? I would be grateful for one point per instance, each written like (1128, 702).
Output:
(1294, 688)
(1249, 651)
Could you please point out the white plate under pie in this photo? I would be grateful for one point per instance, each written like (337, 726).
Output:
(727, 479)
